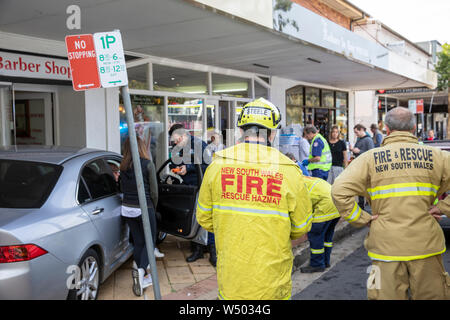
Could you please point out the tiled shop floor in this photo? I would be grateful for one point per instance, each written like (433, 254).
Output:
(175, 275)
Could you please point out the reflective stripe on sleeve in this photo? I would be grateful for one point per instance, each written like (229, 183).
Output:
(203, 208)
(355, 214)
(326, 217)
(403, 190)
(304, 224)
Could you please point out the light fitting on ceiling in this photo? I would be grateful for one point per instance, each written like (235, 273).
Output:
(261, 65)
(313, 60)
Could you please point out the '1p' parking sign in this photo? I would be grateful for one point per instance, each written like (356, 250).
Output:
(110, 59)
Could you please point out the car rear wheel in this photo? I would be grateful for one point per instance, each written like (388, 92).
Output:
(89, 279)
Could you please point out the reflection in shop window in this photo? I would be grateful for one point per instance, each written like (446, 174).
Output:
(342, 113)
(294, 104)
(172, 79)
(225, 85)
(149, 125)
(137, 77)
(312, 96)
(328, 98)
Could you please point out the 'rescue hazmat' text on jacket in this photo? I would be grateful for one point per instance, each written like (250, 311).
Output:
(401, 180)
(255, 201)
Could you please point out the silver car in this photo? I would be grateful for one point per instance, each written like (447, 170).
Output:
(61, 232)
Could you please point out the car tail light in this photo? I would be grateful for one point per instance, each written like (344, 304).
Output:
(18, 253)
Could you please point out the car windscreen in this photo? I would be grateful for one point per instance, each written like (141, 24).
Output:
(26, 184)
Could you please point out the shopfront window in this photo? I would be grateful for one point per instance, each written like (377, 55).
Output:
(328, 98)
(138, 77)
(149, 124)
(179, 80)
(261, 91)
(294, 103)
(231, 86)
(188, 112)
(342, 113)
(312, 96)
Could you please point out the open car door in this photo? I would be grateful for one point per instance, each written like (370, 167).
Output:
(177, 204)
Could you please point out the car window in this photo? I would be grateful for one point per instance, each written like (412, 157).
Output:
(26, 184)
(83, 194)
(99, 179)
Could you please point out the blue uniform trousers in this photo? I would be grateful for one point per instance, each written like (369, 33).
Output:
(320, 174)
(321, 242)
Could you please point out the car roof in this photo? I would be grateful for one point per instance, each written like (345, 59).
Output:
(48, 154)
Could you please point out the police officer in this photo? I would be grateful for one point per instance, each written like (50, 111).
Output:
(401, 179)
(319, 161)
(325, 219)
(255, 201)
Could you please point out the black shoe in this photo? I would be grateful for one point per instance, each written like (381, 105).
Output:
(310, 269)
(212, 254)
(197, 252)
(327, 265)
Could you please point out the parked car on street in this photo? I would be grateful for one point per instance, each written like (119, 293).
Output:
(443, 145)
(61, 232)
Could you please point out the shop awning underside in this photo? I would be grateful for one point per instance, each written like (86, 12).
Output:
(179, 30)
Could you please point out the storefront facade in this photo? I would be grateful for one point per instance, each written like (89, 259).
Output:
(196, 63)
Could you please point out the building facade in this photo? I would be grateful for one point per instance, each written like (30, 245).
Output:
(195, 63)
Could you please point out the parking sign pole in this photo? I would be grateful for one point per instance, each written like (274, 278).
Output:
(141, 191)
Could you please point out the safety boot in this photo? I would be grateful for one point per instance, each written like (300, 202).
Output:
(310, 269)
(212, 254)
(197, 252)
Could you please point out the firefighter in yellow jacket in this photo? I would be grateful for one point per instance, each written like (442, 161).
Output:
(255, 201)
(325, 218)
(401, 179)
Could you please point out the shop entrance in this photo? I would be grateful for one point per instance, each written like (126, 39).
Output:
(33, 118)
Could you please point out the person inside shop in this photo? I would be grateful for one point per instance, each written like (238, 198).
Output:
(131, 211)
(186, 168)
(431, 136)
(215, 144)
(377, 137)
(338, 154)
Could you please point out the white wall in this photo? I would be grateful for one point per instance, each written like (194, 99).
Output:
(102, 119)
(365, 110)
(71, 115)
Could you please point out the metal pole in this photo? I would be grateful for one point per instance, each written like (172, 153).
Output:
(141, 191)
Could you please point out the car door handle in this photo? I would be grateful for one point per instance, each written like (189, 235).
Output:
(97, 211)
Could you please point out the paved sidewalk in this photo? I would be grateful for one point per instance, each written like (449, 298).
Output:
(180, 280)
(174, 273)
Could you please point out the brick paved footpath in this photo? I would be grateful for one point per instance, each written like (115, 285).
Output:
(180, 280)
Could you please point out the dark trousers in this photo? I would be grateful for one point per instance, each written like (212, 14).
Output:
(137, 232)
(320, 174)
(321, 242)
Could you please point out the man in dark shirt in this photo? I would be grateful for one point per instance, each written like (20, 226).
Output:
(188, 152)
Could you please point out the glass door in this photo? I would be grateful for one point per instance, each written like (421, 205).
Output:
(33, 118)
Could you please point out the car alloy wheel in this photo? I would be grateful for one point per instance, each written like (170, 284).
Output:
(89, 279)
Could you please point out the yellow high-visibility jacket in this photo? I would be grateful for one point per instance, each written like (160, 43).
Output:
(322, 204)
(401, 180)
(255, 201)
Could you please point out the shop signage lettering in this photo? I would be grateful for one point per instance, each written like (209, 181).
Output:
(21, 65)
